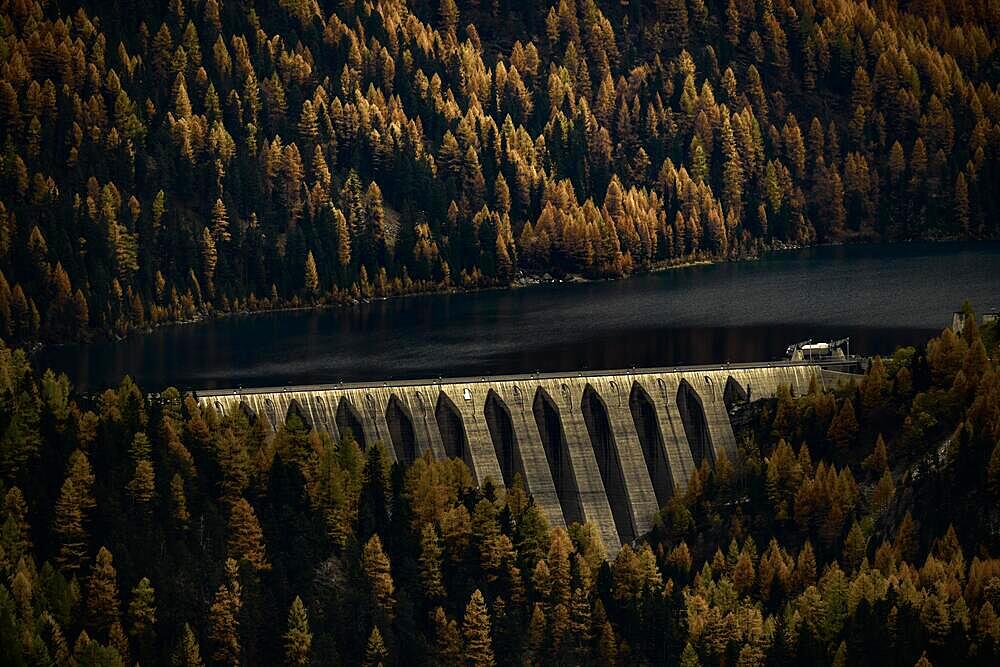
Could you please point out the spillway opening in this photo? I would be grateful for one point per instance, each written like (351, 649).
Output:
(553, 438)
(349, 423)
(647, 425)
(501, 428)
(695, 424)
(452, 429)
(404, 440)
(295, 408)
(734, 394)
(602, 439)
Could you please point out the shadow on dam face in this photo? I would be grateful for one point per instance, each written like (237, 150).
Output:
(349, 421)
(695, 424)
(501, 428)
(452, 429)
(647, 426)
(404, 440)
(550, 429)
(296, 409)
(734, 393)
(248, 412)
(602, 439)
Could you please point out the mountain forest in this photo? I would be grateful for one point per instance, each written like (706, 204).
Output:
(163, 161)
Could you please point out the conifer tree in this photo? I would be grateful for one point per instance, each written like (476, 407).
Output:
(187, 653)
(311, 274)
(178, 502)
(142, 609)
(15, 533)
(375, 651)
(844, 427)
(209, 257)
(907, 540)
(298, 638)
(142, 485)
(447, 641)
(381, 590)
(448, 12)
(246, 540)
(224, 618)
(855, 547)
(689, 657)
(102, 593)
(73, 506)
(430, 563)
(220, 222)
(476, 631)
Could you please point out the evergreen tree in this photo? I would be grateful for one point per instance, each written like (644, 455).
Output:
(430, 563)
(311, 275)
(246, 540)
(381, 590)
(74, 503)
(142, 609)
(375, 651)
(844, 427)
(476, 631)
(298, 638)
(15, 533)
(187, 653)
(102, 593)
(447, 642)
(224, 618)
(220, 222)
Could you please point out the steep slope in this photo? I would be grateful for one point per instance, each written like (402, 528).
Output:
(163, 160)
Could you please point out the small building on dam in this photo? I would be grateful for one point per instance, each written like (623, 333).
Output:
(605, 447)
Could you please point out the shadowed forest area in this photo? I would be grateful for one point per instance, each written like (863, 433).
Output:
(855, 526)
(161, 161)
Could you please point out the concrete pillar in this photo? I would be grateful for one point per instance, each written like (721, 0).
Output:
(321, 416)
(638, 483)
(469, 400)
(662, 389)
(720, 429)
(567, 395)
(371, 406)
(278, 410)
(518, 398)
(420, 403)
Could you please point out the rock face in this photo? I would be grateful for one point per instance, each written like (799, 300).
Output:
(609, 448)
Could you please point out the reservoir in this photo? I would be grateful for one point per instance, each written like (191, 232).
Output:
(881, 296)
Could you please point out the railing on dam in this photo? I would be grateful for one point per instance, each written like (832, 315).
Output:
(606, 447)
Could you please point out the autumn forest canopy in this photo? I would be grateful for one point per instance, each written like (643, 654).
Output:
(165, 161)
(162, 161)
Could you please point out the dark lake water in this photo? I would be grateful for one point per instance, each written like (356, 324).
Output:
(880, 296)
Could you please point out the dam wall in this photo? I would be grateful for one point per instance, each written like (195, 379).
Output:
(609, 447)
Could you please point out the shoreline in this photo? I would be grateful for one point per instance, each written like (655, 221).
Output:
(523, 281)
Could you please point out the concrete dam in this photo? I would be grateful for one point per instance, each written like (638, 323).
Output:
(605, 447)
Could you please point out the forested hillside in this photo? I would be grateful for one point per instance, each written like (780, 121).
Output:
(163, 160)
(857, 526)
